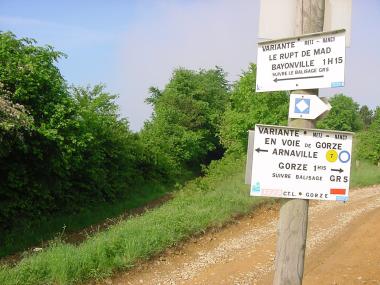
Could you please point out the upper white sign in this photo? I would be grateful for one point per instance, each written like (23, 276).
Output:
(306, 62)
(302, 106)
(301, 163)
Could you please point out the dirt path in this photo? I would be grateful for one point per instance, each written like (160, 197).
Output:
(343, 247)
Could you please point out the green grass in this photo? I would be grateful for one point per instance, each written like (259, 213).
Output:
(205, 202)
(364, 175)
(45, 229)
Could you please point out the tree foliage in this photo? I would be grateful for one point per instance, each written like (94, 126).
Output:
(61, 149)
(13, 116)
(368, 146)
(186, 118)
(30, 77)
(247, 108)
(366, 115)
(343, 116)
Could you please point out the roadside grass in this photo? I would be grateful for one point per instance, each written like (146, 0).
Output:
(205, 202)
(49, 228)
(364, 175)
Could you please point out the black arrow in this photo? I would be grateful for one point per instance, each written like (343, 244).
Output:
(259, 149)
(340, 170)
(292, 78)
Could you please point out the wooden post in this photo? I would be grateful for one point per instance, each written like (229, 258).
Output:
(292, 229)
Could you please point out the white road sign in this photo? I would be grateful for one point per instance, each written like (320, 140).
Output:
(301, 163)
(303, 106)
(305, 62)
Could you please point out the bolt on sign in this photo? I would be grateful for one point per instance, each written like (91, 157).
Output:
(301, 163)
(304, 62)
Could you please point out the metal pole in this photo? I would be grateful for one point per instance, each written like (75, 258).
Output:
(292, 229)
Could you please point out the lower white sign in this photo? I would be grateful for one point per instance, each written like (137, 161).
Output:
(301, 163)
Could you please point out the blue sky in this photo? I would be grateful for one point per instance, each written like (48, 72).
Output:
(132, 45)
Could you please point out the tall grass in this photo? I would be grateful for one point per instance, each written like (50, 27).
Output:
(205, 202)
(364, 174)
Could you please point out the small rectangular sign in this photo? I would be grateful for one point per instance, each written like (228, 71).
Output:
(302, 106)
(305, 62)
(301, 163)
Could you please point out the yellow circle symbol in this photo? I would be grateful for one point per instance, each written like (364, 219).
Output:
(331, 155)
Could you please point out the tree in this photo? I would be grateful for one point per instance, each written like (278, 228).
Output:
(247, 108)
(105, 157)
(61, 149)
(366, 115)
(368, 146)
(343, 116)
(32, 91)
(29, 75)
(186, 118)
(13, 116)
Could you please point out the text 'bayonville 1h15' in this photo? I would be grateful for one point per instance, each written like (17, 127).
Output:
(305, 62)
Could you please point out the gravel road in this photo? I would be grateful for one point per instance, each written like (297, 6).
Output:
(343, 247)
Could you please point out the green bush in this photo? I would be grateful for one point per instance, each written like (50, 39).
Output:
(368, 146)
(343, 116)
(61, 149)
(247, 108)
(186, 117)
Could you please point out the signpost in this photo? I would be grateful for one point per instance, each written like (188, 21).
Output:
(304, 106)
(304, 62)
(277, 17)
(301, 163)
